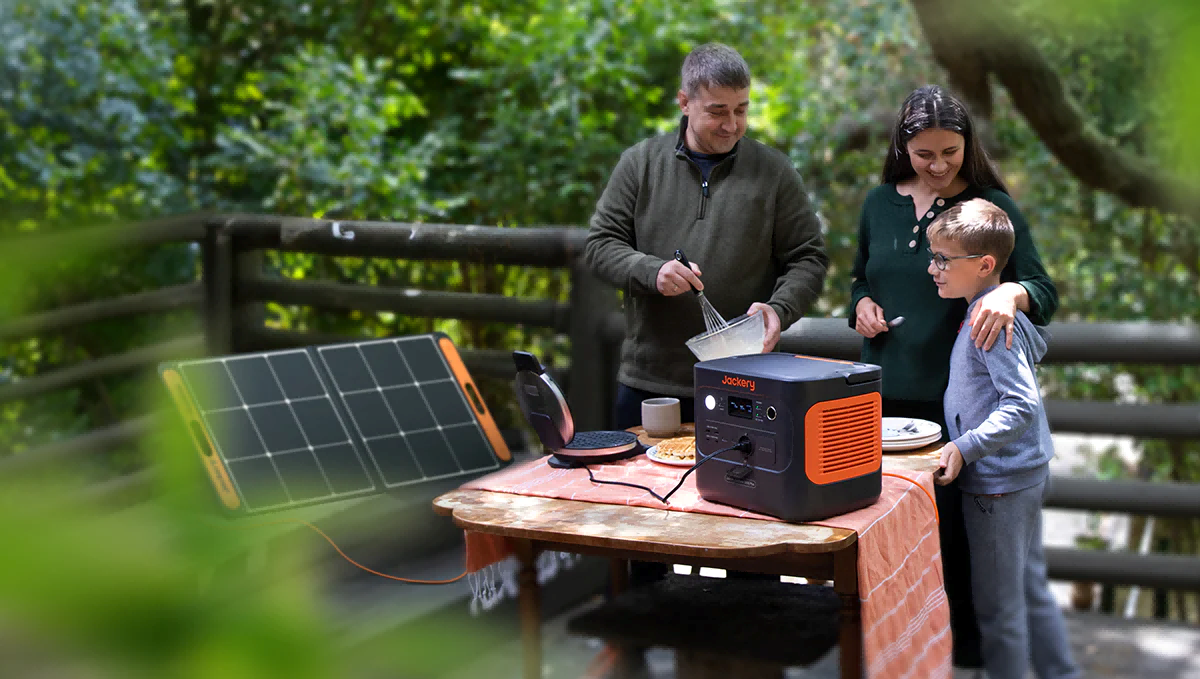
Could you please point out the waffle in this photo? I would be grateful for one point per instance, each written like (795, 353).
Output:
(678, 448)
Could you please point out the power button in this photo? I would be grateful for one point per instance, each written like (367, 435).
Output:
(771, 412)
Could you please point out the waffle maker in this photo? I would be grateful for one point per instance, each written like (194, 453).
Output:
(546, 410)
(815, 425)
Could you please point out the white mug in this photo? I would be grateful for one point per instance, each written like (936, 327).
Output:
(660, 417)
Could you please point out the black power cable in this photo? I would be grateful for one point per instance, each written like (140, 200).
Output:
(743, 445)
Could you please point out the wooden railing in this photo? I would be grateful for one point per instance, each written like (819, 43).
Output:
(233, 285)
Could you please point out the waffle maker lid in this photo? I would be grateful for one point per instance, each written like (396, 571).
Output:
(546, 410)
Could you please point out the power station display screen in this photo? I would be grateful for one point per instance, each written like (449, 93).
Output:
(741, 407)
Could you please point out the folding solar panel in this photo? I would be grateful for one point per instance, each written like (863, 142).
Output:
(304, 426)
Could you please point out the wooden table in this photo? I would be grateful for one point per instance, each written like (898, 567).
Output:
(621, 533)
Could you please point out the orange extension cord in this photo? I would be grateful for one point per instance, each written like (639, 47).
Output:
(320, 532)
(936, 518)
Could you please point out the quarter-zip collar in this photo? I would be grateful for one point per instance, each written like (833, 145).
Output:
(681, 152)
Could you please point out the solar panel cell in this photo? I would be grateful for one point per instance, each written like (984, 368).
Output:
(320, 422)
(297, 374)
(423, 359)
(211, 386)
(411, 411)
(434, 453)
(278, 428)
(233, 432)
(447, 403)
(346, 365)
(258, 483)
(343, 468)
(469, 447)
(301, 475)
(395, 459)
(254, 380)
(370, 414)
(385, 364)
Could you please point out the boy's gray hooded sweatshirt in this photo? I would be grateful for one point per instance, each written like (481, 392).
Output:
(994, 410)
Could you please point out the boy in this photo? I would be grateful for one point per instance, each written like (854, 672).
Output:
(1000, 449)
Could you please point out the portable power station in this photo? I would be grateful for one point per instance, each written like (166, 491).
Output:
(815, 426)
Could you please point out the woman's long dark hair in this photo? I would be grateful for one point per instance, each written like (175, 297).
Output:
(931, 107)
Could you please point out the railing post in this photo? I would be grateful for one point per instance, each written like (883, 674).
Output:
(591, 390)
(217, 270)
(247, 316)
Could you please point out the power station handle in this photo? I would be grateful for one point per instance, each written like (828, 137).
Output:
(682, 259)
(860, 377)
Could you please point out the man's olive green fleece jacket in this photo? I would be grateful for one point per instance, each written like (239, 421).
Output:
(750, 229)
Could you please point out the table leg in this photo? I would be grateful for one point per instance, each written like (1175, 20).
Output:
(618, 577)
(529, 605)
(850, 636)
(626, 660)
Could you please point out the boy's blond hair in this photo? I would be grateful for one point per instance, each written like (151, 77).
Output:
(979, 227)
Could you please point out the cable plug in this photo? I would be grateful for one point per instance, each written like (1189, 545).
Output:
(745, 445)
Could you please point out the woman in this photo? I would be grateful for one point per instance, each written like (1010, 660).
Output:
(934, 161)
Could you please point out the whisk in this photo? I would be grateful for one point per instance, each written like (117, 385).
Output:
(712, 319)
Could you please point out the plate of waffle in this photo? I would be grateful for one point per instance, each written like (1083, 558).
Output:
(677, 452)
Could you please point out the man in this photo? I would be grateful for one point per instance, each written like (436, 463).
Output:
(736, 208)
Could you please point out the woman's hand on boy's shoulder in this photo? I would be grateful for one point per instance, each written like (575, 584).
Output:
(996, 312)
(950, 463)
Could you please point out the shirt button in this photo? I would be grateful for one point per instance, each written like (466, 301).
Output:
(916, 228)
(929, 214)
(912, 243)
(941, 201)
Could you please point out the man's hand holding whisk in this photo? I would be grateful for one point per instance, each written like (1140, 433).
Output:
(675, 279)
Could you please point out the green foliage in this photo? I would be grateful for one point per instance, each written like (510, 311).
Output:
(1112, 262)
(496, 113)
(82, 140)
(86, 137)
(171, 589)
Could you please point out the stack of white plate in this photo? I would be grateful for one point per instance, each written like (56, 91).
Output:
(906, 433)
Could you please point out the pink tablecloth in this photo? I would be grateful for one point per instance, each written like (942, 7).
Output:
(906, 621)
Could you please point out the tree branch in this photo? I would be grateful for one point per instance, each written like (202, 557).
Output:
(975, 40)
(855, 133)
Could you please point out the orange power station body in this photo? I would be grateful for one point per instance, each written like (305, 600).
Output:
(814, 425)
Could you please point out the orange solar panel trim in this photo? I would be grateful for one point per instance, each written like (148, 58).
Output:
(474, 399)
(860, 448)
(203, 442)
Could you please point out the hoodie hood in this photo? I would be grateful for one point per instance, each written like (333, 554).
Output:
(1038, 336)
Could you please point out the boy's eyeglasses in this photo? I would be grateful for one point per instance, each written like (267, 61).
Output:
(942, 261)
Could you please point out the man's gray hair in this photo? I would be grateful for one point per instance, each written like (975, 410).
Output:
(714, 65)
